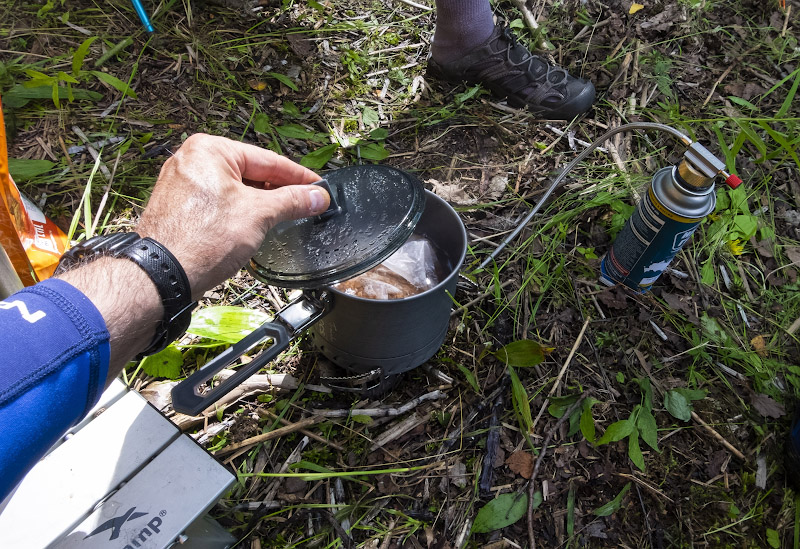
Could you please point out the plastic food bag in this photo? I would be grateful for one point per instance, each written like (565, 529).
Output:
(409, 271)
(32, 242)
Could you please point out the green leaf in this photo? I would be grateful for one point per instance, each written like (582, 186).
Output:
(742, 102)
(616, 431)
(744, 226)
(364, 420)
(318, 158)
(469, 94)
(502, 511)
(470, 377)
(678, 405)
(296, 131)
(692, 394)
(261, 123)
(648, 429)
(571, 512)
(370, 117)
(379, 134)
(773, 538)
(519, 398)
(613, 505)
(559, 405)
(283, 79)
(115, 82)
(522, 353)
(22, 169)
(64, 77)
(787, 102)
(588, 429)
(20, 95)
(166, 363)
(373, 151)
(225, 323)
(707, 274)
(634, 451)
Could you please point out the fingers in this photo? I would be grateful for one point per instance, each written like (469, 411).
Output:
(289, 202)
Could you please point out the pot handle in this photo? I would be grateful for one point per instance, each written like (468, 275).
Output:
(186, 395)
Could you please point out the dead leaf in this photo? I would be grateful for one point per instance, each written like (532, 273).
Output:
(793, 253)
(759, 345)
(521, 463)
(452, 193)
(257, 85)
(634, 8)
(766, 406)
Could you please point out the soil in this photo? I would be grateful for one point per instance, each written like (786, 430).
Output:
(694, 491)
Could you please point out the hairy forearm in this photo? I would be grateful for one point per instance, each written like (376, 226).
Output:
(128, 301)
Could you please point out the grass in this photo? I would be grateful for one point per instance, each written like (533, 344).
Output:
(211, 69)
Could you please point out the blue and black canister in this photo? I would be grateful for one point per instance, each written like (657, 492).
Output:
(677, 200)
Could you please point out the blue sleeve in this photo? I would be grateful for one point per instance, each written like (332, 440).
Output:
(54, 355)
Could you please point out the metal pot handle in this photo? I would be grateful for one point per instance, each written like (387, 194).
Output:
(187, 397)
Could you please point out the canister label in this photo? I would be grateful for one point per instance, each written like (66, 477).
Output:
(646, 245)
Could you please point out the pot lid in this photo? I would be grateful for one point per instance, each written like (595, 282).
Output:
(374, 209)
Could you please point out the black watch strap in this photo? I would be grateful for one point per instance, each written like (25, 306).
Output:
(160, 265)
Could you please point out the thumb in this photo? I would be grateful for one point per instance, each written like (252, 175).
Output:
(290, 202)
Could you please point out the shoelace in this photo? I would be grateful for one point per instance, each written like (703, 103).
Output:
(528, 58)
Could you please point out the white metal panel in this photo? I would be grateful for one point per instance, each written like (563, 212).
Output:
(157, 505)
(64, 487)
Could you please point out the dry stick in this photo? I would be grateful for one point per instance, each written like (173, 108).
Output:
(718, 436)
(548, 436)
(309, 434)
(92, 151)
(277, 433)
(383, 412)
(415, 5)
(725, 73)
(561, 373)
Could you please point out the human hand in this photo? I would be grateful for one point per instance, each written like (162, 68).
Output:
(215, 200)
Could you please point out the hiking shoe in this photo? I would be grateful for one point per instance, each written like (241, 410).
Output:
(511, 72)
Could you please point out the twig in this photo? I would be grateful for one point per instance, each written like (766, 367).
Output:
(277, 433)
(415, 5)
(384, 412)
(548, 436)
(309, 434)
(646, 486)
(561, 373)
(92, 151)
(398, 430)
(718, 436)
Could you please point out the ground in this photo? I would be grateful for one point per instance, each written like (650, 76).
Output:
(679, 401)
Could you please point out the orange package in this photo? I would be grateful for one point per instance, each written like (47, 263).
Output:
(33, 243)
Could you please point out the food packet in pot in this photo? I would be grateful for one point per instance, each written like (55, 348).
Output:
(409, 271)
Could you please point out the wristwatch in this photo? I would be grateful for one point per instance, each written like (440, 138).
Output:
(162, 268)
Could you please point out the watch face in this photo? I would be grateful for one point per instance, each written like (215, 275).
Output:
(378, 208)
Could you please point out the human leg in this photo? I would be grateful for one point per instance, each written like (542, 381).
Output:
(501, 64)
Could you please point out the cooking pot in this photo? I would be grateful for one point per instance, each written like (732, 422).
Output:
(374, 210)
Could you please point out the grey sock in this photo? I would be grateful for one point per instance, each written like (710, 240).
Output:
(461, 25)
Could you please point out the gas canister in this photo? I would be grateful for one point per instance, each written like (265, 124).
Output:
(677, 200)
